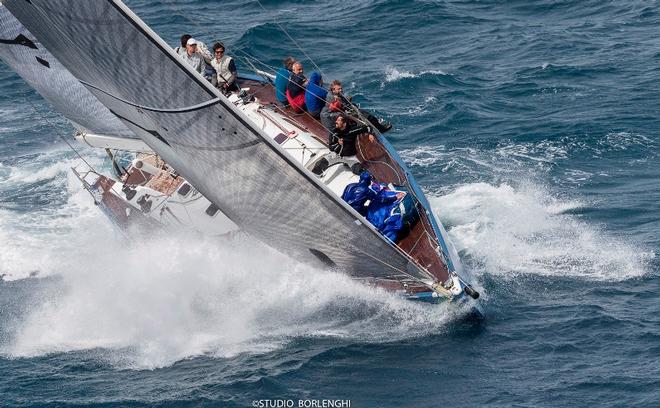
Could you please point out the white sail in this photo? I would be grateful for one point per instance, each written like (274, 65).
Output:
(194, 128)
(26, 56)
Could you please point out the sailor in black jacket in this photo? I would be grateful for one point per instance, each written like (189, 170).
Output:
(343, 137)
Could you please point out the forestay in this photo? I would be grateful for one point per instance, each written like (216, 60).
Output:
(26, 56)
(194, 128)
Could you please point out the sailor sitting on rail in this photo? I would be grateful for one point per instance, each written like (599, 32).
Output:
(315, 95)
(357, 194)
(225, 68)
(282, 80)
(336, 102)
(295, 91)
(343, 137)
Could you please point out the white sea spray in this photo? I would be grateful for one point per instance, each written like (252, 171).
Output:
(509, 231)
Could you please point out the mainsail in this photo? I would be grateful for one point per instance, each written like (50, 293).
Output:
(25, 55)
(194, 128)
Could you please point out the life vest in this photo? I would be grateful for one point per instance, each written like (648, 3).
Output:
(222, 69)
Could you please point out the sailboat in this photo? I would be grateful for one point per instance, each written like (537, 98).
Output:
(265, 168)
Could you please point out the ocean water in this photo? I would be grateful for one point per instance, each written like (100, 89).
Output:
(533, 129)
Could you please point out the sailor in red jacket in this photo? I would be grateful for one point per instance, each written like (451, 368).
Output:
(295, 90)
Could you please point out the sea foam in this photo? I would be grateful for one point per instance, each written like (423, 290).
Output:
(153, 300)
(393, 74)
(509, 231)
(156, 301)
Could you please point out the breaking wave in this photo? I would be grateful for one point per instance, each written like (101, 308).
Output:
(392, 74)
(509, 231)
(156, 302)
(47, 214)
(618, 141)
(541, 153)
(152, 302)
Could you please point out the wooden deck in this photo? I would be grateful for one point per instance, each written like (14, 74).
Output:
(420, 243)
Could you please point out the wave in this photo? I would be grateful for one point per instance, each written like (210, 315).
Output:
(508, 232)
(507, 159)
(155, 302)
(619, 141)
(35, 171)
(49, 214)
(521, 158)
(392, 74)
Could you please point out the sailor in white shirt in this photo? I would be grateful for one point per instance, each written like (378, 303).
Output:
(192, 57)
(201, 48)
(225, 69)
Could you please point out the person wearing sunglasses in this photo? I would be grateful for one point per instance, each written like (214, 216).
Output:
(225, 69)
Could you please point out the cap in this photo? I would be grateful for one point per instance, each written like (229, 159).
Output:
(191, 41)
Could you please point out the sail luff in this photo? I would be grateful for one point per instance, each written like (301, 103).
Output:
(215, 147)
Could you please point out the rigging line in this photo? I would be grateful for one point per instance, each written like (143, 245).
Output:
(192, 108)
(239, 49)
(293, 40)
(249, 56)
(60, 136)
(76, 151)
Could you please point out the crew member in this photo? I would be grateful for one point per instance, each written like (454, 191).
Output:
(357, 194)
(337, 102)
(315, 95)
(342, 139)
(225, 69)
(282, 80)
(192, 57)
(295, 91)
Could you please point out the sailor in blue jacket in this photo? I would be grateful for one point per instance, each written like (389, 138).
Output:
(282, 80)
(357, 194)
(315, 95)
(387, 218)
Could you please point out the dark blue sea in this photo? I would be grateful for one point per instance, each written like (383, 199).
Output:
(532, 127)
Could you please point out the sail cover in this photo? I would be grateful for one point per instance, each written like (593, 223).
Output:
(26, 56)
(189, 123)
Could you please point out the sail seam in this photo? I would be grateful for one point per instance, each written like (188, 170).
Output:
(186, 109)
(221, 148)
